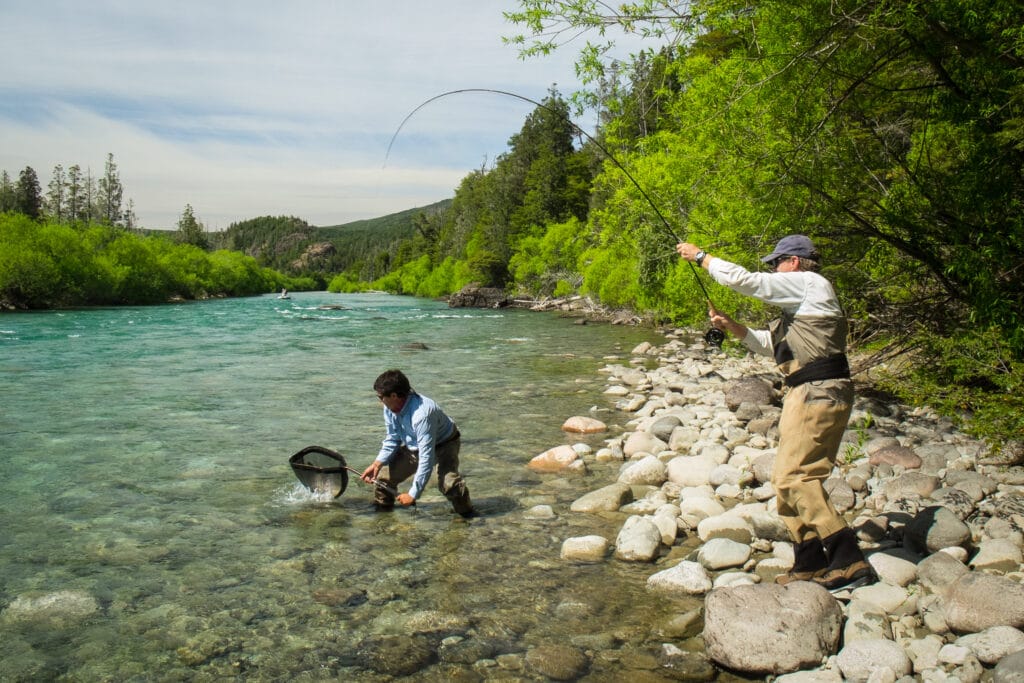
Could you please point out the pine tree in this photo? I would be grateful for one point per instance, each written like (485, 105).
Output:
(6, 193)
(28, 197)
(190, 230)
(110, 194)
(75, 194)
(56, 197)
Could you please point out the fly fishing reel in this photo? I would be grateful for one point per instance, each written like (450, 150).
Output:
(714, 337)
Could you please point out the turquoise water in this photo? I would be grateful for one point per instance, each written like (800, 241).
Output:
(145, 470)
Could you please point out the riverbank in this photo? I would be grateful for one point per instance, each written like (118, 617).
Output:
(938, 516)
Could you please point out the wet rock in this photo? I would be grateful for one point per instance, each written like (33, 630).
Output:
(680, 665)
(434, 621)
(591, 548)
(339, 597)
(458, 650)
(584, 425)
(540, 512)
(471, 296)
(605, 499)
(684, 626)
(558, 662)
(395, 655)
(557, 459)
(57, 610)
(771, 629)
(639, 540)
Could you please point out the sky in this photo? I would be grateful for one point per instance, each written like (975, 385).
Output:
(253, 108)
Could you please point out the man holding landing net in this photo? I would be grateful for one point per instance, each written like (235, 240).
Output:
(419, 436)
(809, 346)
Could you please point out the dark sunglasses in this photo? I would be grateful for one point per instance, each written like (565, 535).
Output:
(774, 263)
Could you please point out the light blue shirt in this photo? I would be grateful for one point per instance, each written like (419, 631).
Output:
(419, 426)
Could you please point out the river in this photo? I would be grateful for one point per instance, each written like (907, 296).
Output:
(146, 484)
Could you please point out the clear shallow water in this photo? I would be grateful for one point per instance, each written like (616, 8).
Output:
(144, 464)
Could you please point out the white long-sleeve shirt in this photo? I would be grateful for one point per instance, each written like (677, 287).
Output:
(813, 324)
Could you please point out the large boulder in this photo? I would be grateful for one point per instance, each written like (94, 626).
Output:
(749, 390)
(771, 629)
(471, 296)
(979, 601)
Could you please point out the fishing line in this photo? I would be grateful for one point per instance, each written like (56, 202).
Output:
(713, 336)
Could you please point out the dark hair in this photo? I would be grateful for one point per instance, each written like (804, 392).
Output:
(392, 382)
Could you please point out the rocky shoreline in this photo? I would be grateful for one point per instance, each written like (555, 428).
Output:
(939, 517)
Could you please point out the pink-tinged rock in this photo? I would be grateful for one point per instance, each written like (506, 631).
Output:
(554, 459)
(896, 455)
(583, 425)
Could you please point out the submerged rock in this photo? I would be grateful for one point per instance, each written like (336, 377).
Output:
(558, 662)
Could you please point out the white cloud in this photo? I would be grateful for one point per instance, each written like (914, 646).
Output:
(250, 108)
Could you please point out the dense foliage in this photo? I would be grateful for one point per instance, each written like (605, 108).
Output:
(364, 249)
(52, 265)
(890, 131)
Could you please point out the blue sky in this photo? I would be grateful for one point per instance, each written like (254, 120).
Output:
(253, 108)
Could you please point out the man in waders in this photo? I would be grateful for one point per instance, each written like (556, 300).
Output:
(419, 436)
(809, 346)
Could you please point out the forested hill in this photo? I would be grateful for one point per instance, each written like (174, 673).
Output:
(292, 245)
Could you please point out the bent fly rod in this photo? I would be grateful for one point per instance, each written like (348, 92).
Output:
(713, 336)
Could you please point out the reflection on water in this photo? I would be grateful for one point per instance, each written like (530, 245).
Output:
(153, 530)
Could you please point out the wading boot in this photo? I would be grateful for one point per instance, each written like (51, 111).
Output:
(809, 562)
(847, 567)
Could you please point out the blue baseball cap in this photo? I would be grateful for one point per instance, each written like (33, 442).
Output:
(793, 245)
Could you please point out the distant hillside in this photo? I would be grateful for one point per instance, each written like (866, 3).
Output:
(291, 245)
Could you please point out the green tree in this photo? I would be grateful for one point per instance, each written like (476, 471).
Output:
(110, 195)
(190, 230)
(56, 196)
(77, 201)
(28, 197)
(7, 196)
